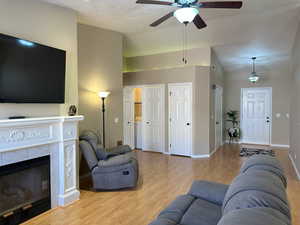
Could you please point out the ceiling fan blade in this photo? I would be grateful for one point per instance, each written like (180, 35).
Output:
(199, 22)
(162, 19)
(222, 5)
(153, 2)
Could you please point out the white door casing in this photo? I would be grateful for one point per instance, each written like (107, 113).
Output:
(153, 117)
(128, 108)
(256, 115)
(180, 119)
(218, 94)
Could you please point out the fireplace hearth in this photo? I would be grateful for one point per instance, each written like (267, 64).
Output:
(24, 190)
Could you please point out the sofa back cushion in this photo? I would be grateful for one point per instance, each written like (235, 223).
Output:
(254, 216)
(256, 189)
(88, 153)
(266, 163)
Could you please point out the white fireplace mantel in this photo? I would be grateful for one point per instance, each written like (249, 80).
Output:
(25, 139)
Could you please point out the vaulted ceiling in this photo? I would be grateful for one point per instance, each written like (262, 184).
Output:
(262, 28)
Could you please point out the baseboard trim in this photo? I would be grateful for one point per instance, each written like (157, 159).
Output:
(200, 156)
(212, 153)
(295, 167)
(233, 142)
(280, 146)
(68, 198)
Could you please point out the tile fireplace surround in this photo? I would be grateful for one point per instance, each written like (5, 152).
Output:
(25, 139)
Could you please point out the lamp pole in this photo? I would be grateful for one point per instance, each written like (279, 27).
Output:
(103, 119)
(103, 95)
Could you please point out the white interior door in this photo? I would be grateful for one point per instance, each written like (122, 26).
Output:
(180, 119)
(153, 118)
(256, 115)
(128, 104)
(218, 117)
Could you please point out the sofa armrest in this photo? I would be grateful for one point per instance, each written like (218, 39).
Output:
(118, 150)
(115, 161)
(209, 191)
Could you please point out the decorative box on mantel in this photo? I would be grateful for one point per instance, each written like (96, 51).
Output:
(25, 139)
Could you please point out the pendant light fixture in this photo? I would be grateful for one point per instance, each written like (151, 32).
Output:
(253, 78)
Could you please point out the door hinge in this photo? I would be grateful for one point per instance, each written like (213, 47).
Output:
(170, 93)
(170, 145)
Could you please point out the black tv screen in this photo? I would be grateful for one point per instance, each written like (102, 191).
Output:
(31, 72)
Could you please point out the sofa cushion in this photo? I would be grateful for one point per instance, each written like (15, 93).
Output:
(177, 208)
(163, 221)
(89, 154)
(210, 191)
(188, 210)
(202, 212)
(89, 136)
(266, 163)
(100, 152)
(254, 216)
(256, 189)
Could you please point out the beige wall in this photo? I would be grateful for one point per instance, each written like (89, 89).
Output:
(49, 25)
(279, 79)
(216, 78)
(195, 57)
(100, 68)
(199, 76)
(201, 111)
(295, 104)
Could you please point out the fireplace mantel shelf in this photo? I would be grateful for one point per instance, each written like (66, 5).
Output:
(25, 139)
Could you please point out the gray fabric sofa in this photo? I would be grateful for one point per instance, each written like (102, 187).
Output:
(111, 169)
(257, 196)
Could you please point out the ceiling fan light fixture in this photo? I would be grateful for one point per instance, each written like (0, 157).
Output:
(254, 78)
(186, 15)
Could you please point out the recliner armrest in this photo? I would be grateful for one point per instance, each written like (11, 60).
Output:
(209, 191)
(118, 150)
(115, 161)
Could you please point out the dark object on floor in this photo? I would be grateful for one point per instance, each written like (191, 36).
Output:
(111, 169)
(257, 196)
(246, 152)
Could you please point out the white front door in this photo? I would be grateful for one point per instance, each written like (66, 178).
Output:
(128, 104)
(256, 114)
(153, 118)
(218, 117)
(180, 119)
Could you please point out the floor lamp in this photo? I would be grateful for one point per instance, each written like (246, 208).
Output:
(103, 95)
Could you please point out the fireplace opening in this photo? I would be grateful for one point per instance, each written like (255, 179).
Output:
(24, 190)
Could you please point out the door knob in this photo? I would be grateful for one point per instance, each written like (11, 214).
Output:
(217, 123)
(188, 124)
(129, 122)
(147, 122)
(268, 121)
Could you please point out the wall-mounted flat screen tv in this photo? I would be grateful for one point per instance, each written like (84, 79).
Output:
(31, 72)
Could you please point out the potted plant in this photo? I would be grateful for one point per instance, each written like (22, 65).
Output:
(234, 131)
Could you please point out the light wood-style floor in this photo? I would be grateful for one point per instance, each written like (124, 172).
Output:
(163, 178)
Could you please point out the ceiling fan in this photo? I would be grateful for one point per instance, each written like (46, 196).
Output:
(189, 10)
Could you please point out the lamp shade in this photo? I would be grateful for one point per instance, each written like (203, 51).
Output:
(186, 15)
(103, 94)
(253, 78)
